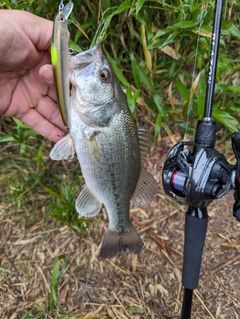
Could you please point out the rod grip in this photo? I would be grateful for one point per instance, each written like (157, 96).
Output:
(195, 233)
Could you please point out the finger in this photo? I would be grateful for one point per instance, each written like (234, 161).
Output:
(52, 94)
(46, 73)
(41, 125)
(50, 110)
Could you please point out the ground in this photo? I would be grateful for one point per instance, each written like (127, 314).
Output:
(143, 286)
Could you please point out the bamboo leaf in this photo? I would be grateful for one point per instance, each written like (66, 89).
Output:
(226, 119)
(143, 78)
(159, 105)
(182, 25)
(235, 88)
(118, 72)
(103, 26)
(171, 52)
(158, 125)
(231, 28)
(139, 5)
(106, 4)
(147, 54)
(7, 4)
(162, 43)
(132, 98)
(135, 71)
(182, 90)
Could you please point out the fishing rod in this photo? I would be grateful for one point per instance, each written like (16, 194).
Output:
(195, 174)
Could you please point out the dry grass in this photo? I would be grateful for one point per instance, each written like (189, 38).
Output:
(144, 286)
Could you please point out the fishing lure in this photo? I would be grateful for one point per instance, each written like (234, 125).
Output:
(60, 58)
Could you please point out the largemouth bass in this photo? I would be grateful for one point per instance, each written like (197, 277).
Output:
(110, 149)
(60, 59)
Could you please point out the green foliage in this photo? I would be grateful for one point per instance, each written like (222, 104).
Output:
(38, 313)
(5, 270)
(57, 271)
(21, 136)
(153, 46)
(31, 183)
(63, 208)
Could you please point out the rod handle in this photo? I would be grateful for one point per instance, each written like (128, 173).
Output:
(195, 233)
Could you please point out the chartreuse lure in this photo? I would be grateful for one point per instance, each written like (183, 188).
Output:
(60, 58)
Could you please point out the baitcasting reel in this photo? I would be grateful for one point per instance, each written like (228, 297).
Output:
(195, 175)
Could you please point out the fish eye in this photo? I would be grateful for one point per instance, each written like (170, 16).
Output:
(104, 75)
(61, 17)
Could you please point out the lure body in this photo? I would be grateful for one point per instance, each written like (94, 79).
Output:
(60, 59)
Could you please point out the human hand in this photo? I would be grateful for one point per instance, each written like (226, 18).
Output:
(26, 79)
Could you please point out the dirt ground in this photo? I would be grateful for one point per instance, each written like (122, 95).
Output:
(143, 286)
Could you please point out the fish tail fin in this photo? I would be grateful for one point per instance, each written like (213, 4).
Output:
(114, 243)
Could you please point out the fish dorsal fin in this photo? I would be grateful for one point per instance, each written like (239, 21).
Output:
(145, 140)
(87, 204)
(63, 149)
(146, 189)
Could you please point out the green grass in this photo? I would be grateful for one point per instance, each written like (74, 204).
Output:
(31, 181)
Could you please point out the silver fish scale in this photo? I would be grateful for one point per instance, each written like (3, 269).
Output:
(114, 177)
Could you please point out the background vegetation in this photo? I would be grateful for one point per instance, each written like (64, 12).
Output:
(160, 53)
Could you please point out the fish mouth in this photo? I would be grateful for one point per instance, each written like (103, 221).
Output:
(83, 59)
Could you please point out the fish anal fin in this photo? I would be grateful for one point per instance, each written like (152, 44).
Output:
(114, 243)
(63, 149)
(87, 204)
(146, 189)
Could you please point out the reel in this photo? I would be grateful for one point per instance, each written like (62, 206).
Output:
(196, 175)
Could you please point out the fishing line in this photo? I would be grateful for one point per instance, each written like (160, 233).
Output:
(193, 72)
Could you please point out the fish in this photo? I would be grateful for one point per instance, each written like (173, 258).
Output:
(60, 59)
(110, 149)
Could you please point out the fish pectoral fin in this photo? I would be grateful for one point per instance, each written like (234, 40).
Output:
(93, 149)
(114, 243)
(63, 149)
(87, 204)
(146, 189)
